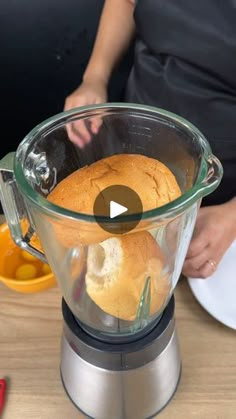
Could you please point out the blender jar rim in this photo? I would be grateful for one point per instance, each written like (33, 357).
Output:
(171, 209)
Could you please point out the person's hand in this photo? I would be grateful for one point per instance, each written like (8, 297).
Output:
(214, 232)
(88, 93)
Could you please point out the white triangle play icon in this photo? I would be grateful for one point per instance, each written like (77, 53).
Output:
(116, 209)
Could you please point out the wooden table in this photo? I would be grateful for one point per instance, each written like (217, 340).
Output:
(30, 330)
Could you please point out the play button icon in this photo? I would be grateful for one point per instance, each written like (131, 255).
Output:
(118, 209)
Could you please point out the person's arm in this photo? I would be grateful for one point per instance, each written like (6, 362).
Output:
(115, 32)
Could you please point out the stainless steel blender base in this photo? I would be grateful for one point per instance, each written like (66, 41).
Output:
(134, 394)
(137, 392)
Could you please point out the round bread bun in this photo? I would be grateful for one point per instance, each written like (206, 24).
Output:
(149, 178)
(117, 270)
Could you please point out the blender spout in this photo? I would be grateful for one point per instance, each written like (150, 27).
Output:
(14, 208)
(214, 172)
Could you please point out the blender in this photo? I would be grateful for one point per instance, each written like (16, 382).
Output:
(110, 367)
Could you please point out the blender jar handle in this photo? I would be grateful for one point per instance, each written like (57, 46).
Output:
(14, 207)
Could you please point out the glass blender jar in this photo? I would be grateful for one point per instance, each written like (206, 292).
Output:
(95, 341)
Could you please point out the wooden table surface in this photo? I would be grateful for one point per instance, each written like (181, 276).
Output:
(30, 330)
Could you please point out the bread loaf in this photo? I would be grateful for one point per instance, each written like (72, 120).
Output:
(117, 270)
(148, 177)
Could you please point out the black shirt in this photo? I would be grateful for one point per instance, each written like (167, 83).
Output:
(185, 62)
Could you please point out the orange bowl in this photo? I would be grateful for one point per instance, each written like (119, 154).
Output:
(11, 258)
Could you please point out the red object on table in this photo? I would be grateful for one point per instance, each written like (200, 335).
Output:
(3, 386)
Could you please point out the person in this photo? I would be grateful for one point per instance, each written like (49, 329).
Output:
(183, 62)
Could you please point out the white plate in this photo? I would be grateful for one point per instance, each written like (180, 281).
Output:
(217, 294)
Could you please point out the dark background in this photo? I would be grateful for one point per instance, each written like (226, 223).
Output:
(45, 46)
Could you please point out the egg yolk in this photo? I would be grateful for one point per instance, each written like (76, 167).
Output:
(26, 271)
